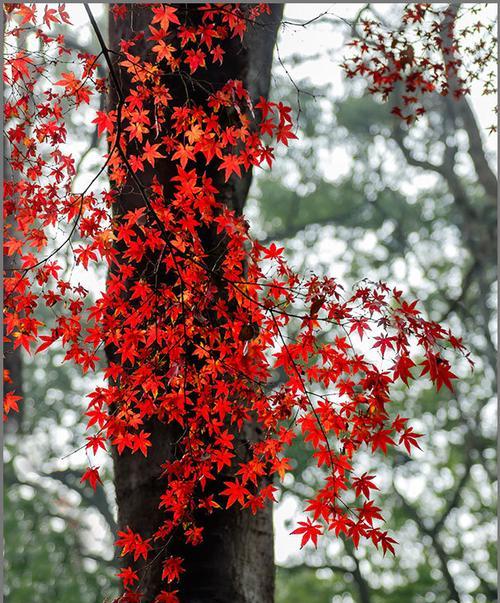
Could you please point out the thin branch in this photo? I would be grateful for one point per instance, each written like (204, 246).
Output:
(436, 544)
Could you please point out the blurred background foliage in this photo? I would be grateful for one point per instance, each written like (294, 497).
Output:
(359, 195)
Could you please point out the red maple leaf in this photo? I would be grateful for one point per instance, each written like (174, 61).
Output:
(151, 153)
(128, 576)
(409, 439)
(235, 492)
(104, 121)
(363, 485)
(164, 15)
(230, 164)
(172, 569)
(20, 66)
(92, 476)
(310, 531)
(381, 439)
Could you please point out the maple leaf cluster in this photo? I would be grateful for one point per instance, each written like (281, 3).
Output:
(194, 338)
(432, 52)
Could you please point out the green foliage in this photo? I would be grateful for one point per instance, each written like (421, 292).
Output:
(363, 117)
(306, 584)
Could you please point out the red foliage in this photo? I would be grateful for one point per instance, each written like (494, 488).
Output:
(430, 52)
(199, 351)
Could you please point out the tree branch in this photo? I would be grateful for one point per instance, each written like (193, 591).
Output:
(436, 544)
(71, 478)
(462, 108)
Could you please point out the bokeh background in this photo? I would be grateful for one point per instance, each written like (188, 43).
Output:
(358, 195)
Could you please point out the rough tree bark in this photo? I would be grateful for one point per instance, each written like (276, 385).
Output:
(13, 363)
(13, 360)
(235, 563)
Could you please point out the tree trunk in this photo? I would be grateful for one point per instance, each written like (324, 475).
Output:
(235, 562)
(13, 360)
